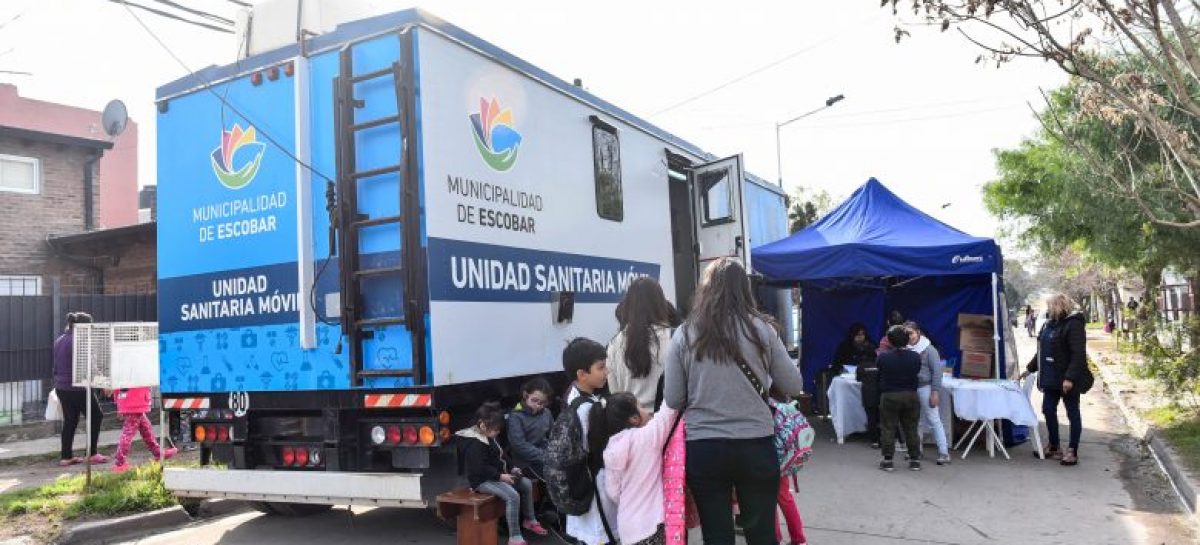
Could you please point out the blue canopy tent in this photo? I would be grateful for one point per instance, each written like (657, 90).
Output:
(876, 253)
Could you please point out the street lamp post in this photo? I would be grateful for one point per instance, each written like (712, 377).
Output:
(829, 102)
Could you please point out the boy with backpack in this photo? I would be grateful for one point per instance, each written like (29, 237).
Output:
(574, 476)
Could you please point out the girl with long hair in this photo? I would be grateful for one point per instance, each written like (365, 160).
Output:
(635, 353)
(728, 422)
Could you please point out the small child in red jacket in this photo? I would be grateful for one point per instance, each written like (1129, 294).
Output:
(132, 405)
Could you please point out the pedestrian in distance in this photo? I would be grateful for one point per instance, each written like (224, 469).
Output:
(730, 430)
(132, 405)
(899, 403)
(1063, 374)
(74, 400)
(488, 472)
(635, 353)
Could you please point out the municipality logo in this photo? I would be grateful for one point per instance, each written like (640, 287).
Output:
(497, 140)
(237, 159)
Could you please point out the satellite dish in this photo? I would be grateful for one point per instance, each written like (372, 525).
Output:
(115, 117)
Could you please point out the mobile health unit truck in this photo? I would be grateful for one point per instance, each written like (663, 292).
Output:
(366, 232)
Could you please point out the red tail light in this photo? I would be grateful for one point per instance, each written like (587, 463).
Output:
(222, 434)
(393, 435)
(289, 456)
(410, 435)
(212, 433)
(301, 456)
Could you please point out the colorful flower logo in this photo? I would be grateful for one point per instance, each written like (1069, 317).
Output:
(237, 160)
(497, 140)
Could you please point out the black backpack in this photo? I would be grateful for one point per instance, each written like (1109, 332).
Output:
(568, 479)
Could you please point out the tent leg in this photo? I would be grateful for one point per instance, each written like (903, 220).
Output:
(965, 436)
(982, 424)
(996, 325)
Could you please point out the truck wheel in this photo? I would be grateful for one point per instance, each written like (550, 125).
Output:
(289, 509)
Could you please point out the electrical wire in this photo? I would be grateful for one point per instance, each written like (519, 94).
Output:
(169, 15)
(242, 4)
(208, 86)
(831, 37)
(194, 11)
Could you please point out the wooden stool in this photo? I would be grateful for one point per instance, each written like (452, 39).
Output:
(476, 515)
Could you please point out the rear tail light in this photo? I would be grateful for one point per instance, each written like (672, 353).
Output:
(301, 456)
(222, 434)
(314, 457)
(289, 456)
(378, 435)
(394, 435)
(427, 435)
(410, 435)
(444, 418)
(444, 434)
(199, 434)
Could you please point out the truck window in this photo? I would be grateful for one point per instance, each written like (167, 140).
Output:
(606, 150)
(718, 197)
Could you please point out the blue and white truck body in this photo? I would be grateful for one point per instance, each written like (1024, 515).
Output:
(365, 234)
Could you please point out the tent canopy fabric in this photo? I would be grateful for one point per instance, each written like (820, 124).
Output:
(875, 233)
(874, 254)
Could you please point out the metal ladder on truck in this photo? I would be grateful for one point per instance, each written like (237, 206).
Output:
(351, 222)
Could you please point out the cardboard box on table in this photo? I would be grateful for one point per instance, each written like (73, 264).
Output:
(976, 365)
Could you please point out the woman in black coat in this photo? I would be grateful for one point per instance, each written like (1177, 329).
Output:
(1064, 375)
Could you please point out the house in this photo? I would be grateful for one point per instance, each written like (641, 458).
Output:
(60, 175)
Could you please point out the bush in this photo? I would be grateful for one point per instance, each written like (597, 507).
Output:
(1171, 359)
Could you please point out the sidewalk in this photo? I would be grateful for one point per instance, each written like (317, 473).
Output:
(1134, 397)
(29, 464)
(15, 451)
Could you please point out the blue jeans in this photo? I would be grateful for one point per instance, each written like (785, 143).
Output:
(1050, 399)
(516, 499)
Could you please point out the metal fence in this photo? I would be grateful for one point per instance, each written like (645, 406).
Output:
(31, 317)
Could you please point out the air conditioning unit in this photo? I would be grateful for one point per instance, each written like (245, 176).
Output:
(115, 355)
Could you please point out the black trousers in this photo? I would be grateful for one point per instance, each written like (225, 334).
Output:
(1050, 399)
(716, 469)
(900, 411)
(73, 409)
(872, 423)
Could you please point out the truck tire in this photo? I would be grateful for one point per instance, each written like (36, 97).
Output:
(289, 509)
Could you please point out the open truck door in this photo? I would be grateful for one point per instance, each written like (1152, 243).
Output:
(720, 212)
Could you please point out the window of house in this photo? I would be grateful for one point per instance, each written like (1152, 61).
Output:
(606, 150)
(20, 285)
(718, 196)
(19, 174)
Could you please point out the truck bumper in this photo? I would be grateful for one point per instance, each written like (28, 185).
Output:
(329, 488)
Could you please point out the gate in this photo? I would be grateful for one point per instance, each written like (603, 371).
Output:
(29, 323)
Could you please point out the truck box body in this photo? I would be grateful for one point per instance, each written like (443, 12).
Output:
(500, 212)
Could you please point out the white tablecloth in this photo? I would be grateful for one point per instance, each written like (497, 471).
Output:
(848, 416)
(991, 400)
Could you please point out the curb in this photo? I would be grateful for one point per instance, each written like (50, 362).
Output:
(113, 529)
(1167, 460)
(171, 518)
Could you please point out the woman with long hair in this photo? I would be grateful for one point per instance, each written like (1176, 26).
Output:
(729, 425)
(635, 353)
(1063, 374)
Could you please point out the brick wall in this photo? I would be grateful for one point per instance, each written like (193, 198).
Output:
(135, 272)
(26, 220)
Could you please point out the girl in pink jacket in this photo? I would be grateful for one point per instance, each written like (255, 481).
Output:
(132, 405)
(632, 441)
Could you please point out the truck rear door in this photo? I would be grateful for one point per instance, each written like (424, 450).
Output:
(721, 212)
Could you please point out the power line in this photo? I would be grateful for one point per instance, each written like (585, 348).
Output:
(763, 68)
(919, 119)
(208, 86)
(193, 11)
(169, 15)
(240, 3)
(12, 20)
(16, 72)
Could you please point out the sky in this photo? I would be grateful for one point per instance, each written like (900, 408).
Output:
(921, 116)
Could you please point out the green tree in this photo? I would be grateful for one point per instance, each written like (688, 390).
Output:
(1135, 65)
(806, 206)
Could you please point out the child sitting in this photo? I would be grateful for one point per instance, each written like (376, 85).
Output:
(487, 472)
(632, 443)
(529, 428)
(132, 405)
